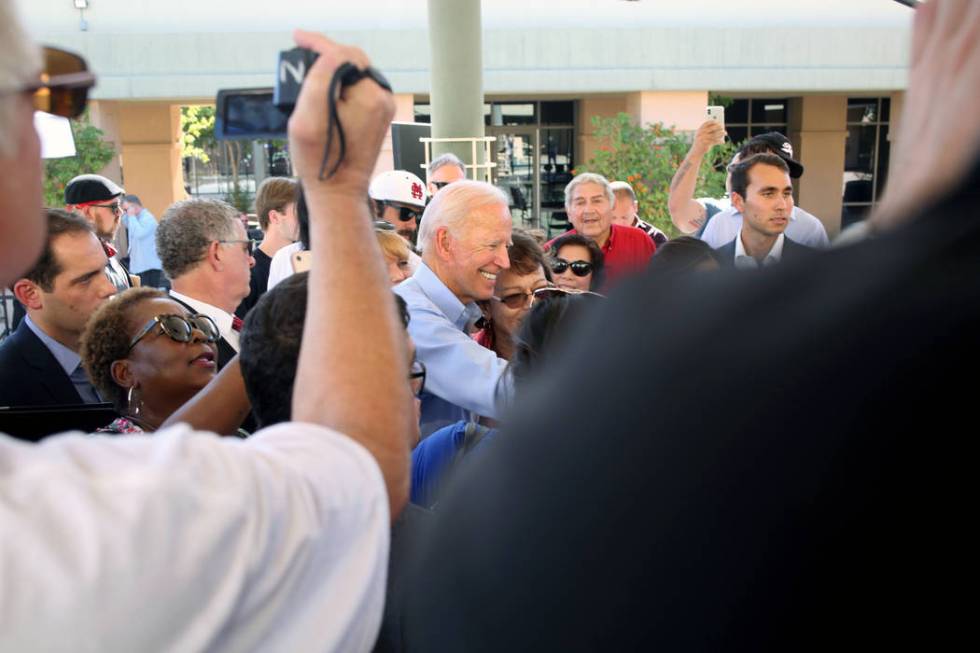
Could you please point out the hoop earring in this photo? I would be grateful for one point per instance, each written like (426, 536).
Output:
(133, 412)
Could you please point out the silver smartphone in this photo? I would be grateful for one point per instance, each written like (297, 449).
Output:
(717, 113)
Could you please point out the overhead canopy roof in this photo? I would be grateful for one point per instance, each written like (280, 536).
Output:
(146, 49)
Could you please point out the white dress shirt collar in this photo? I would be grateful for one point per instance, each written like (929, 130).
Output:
(744, 261)
(220, 317)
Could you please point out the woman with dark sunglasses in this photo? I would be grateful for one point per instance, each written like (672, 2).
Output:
(512, 295)
(147, 356)
(577, 263)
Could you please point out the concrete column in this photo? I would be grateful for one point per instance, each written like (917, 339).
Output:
(404, 112)
(104, 114)
(818, 131)
(150, 133)
(604, 106)
(260, 163)
(455, 41)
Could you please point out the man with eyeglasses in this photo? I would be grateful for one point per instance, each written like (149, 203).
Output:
(99, 200)
(39, 362)
(207, 255)
(279, 542)
(398, 197)
(444, 170)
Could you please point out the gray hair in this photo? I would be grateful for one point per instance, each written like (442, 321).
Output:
(187, 230)
(451, 206)
(445, 160)
(20, 61)
(623, 188)
(588, 178)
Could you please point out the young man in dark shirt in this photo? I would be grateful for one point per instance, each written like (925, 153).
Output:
(275, 205)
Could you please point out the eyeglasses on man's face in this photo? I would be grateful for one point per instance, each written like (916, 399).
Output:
(416, 377)
(115, 207)
(62, 86)
(247, 245)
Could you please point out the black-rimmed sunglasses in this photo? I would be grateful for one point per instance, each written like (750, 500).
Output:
(579, 268)
(405, 214)
(62, 87)
(179, 328)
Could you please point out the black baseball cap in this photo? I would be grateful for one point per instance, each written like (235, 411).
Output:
(779, 145)
(85, 189)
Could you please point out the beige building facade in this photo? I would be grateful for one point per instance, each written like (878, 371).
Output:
(656, 61)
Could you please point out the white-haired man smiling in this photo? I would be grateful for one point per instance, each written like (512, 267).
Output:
(464, 238)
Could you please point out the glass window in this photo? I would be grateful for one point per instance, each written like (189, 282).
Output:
(746, 117)
(769, 111)
(866, 155)
(558, 113)
(737, 112)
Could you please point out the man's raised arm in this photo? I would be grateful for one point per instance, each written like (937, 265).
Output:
(352, 374)
(686, 213)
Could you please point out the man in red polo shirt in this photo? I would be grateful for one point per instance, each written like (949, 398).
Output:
(589, 201)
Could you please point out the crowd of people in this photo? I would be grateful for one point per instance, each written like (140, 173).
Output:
(444, 432)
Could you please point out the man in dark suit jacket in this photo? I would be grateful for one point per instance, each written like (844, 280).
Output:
(207, 257)
(763, 193)
(39, 362)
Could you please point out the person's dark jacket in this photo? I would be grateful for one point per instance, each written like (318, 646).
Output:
(30, 375)
(792, 251)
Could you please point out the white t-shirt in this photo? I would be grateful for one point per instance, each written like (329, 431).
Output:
(282, 264)
(184, 541)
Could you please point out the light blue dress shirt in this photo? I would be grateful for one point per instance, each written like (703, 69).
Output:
(142, 229)
(70, 362)
(462, 377)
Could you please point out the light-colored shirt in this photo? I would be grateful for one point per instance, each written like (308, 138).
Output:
(461, 376)
(803, 228)
(185, 541)
(142, 229)
(69, 361)
(745, 262)
(282, 264)
(221, 318)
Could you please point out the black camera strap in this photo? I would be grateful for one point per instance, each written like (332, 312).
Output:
(346, 75)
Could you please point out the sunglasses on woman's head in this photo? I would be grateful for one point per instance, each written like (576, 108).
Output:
(579, 268)
(62, 87)
(179, 328)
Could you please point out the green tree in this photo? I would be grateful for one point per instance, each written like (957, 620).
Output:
(92, 153)
(647, 157)
(197, 132)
